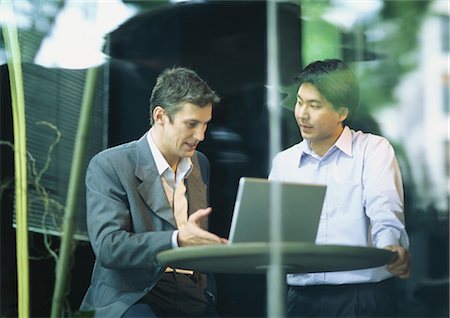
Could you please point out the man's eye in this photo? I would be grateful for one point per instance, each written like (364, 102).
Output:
(191, 125)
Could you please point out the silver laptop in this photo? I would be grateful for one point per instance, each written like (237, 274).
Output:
(301, 206)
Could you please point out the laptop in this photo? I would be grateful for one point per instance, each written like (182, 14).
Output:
(301, 206)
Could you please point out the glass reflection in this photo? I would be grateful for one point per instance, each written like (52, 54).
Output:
(399, 49)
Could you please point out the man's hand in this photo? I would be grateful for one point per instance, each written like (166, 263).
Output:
(400, 266)
(193, 234)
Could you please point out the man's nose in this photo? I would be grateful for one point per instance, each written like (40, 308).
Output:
(199, 133)
(302, 112)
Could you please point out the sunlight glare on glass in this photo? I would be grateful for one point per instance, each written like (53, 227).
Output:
(20, 15)
(78, 35)
(346, 14)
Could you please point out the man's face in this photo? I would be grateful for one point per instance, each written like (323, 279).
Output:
(181, 136)
(318, 121)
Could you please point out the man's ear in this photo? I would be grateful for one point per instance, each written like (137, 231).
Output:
(343, 113)
(158, 115)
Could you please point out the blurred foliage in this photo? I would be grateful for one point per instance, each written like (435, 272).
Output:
(320, 39)
(407, 16)
(35, 21)
(400, 23)
(393, 54)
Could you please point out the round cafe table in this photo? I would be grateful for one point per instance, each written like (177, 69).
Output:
(255, 257)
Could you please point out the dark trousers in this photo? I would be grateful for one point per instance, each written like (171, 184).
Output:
(350, 300)
(175, 295)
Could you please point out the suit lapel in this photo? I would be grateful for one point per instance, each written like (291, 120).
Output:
(151, 188)
(196, 190)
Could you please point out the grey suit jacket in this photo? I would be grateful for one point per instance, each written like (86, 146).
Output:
(129, 222)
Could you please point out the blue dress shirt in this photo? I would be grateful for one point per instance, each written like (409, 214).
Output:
(364, 200)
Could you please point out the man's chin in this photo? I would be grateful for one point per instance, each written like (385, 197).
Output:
(189, 153)
(304, 135)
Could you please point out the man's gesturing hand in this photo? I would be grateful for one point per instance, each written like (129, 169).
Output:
(193, 234)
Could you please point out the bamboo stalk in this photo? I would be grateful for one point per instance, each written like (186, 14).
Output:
(81, 141)
(20, 156)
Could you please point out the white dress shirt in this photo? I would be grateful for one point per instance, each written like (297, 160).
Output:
(168, 177)
(363, 203)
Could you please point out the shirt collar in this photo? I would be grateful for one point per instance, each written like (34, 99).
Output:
(343, 143)
(305, 151)
(184, 166)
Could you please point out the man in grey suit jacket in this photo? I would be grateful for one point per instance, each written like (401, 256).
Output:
(130, 208)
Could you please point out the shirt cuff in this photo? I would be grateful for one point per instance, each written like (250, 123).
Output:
(388, 238)
(175, 239)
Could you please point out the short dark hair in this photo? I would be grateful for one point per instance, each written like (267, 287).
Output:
(335, 81)
(179, 85)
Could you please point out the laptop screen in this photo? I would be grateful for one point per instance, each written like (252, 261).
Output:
(301, 206)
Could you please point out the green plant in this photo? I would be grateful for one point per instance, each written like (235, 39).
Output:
(20, 157)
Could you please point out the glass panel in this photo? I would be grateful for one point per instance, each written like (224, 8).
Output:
(398, 49)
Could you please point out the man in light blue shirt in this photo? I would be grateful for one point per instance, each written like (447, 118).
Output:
(364, 200)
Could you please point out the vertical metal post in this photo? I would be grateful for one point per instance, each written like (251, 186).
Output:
(275, 274)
